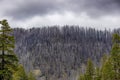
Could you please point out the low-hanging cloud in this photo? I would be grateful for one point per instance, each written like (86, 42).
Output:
(23, 9)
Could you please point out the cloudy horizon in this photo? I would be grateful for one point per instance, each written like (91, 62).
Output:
(99, 14)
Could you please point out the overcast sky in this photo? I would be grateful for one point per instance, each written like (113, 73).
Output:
(89, 13)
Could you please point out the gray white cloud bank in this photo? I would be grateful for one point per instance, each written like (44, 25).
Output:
(21, 9)
(50, 12)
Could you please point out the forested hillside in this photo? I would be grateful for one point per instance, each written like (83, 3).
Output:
(60, 53)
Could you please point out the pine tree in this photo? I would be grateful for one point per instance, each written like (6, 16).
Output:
(115, 56)
(97, 74)
(111, 67)
(82, 77)
(107, 72)
(31, 76)
(89, 74)
(20, 74)
(8, 60)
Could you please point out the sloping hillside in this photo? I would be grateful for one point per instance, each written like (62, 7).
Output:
(60, 52)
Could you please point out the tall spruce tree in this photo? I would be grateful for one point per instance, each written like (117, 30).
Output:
(8, 60)
(20, 74)
(115, 56)
(97, 74)
(89, 74)
(82, 77)
(111, 67)
(107, 72)
(31, 76)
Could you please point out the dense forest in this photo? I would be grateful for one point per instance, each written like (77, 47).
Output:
(61, 53)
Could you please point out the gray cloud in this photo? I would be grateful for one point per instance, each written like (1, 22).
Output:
(31, 8)
(22, 9)
(97, 8)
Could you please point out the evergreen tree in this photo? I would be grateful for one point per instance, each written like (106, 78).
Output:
(97, 74)
(31, 76)
(111, 67)
(89, 71)
(107, 72)
(104, 59)
(8, 60)
(89, 74)
(115, 56)
(82, 77)
(20, 74)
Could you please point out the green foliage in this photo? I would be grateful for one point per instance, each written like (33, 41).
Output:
(110, 69)
(106, 72)
(20, 74)
(89, 70)
(116, 38)
(31, 76)
(82, 77)
(97, 74)
(8, 60)
(115, 56)
(9, 68)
